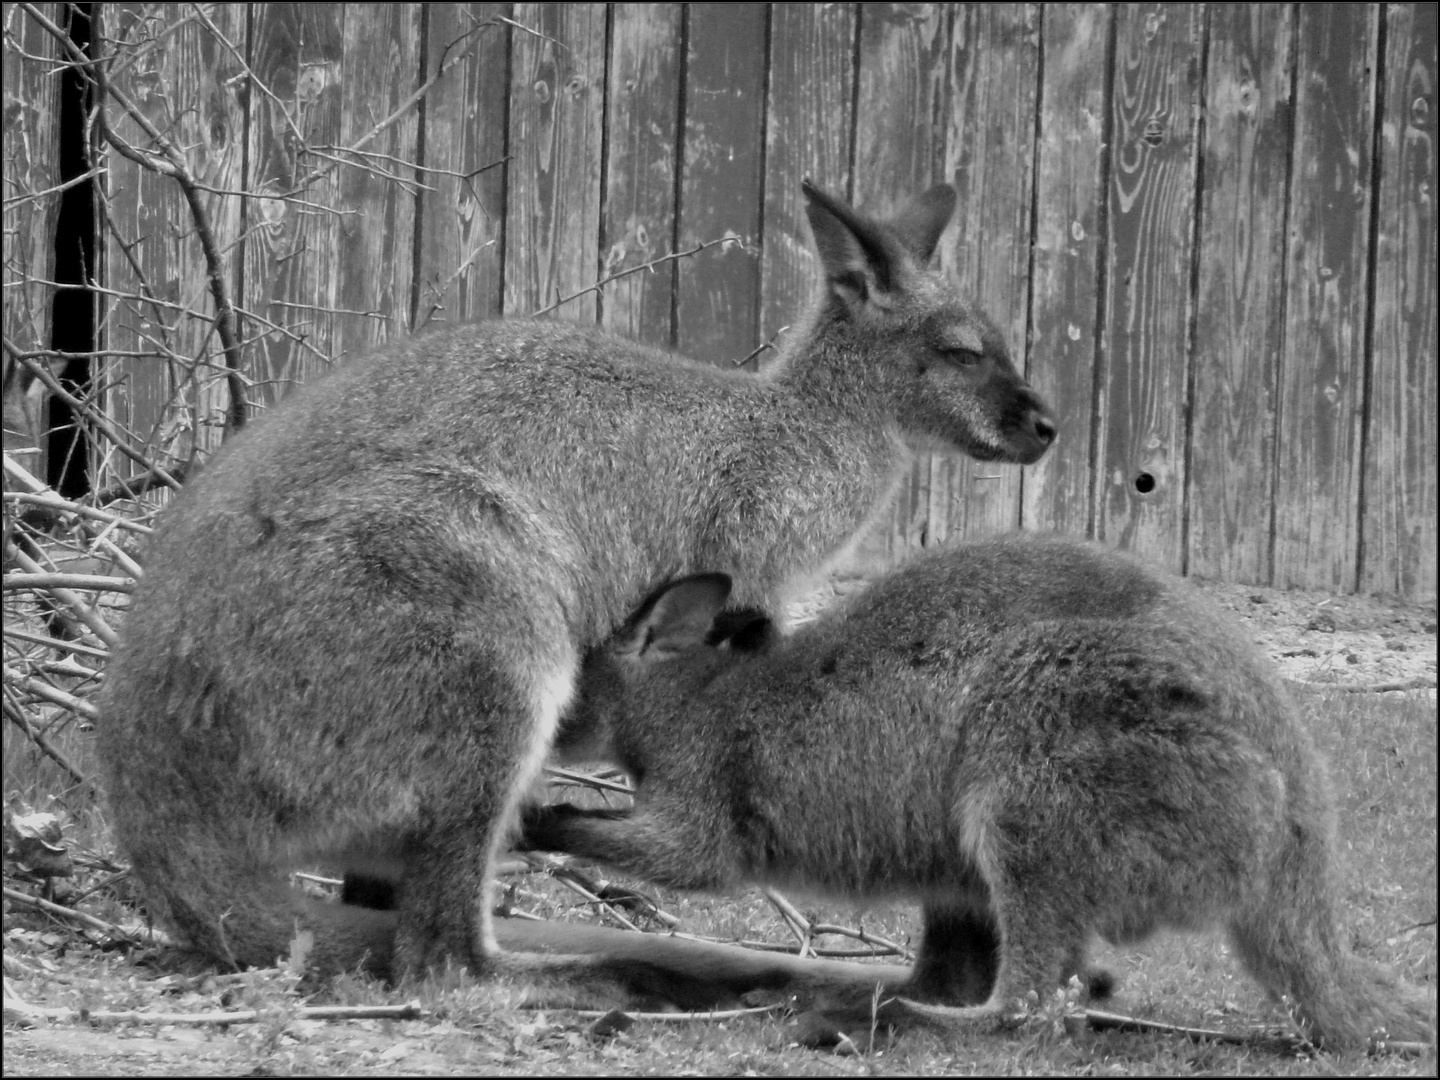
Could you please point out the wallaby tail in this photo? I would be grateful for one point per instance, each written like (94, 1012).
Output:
(1291, 939)
(241, 912)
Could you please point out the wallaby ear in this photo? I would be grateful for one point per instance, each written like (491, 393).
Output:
(674, 618)
(923, 219)
(857, 257)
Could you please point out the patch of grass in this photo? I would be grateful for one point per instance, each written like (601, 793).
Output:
(1382, 750)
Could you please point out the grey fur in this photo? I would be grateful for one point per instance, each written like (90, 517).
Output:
(360, 625)
(1034, 731)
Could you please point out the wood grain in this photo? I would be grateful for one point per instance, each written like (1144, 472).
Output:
(1241, 290)
(1140, 489)
(1069, 199)
(371, 239)
(557, 100)
(994, 82)
(903, 75)
(718, 292)
(30, 152)
(1398, 543)
(184, 83)
(808, 114)
(462, 249)
(1321, 380)
(641, 136)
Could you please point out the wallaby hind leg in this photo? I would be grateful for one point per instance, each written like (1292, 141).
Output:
(958, 955)
(958, 958)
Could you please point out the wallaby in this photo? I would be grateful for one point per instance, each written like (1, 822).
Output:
(1037, 732)
(361, 624)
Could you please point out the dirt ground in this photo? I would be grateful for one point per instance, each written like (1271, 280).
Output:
(1318, 640)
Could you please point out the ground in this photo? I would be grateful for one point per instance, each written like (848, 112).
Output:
(1339, 650)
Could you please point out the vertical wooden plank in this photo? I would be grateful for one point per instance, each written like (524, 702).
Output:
(552, 223)
(1240, 295)
(903, 71)
(1321, 379)
(463, 230)
(330, 265)
(184, 81)
(639, 223)
(718, 292)
(1157, 76)
(1069, 199)
(31, 164)
(812, 50)
(995, 57)
(1398, 543)
(372, 238)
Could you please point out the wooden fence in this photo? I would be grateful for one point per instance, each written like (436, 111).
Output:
(1209, 230)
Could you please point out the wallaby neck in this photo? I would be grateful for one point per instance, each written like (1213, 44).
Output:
(833, 365)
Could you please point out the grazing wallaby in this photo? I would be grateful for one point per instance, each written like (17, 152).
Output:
(1034, 731)
(360, 626)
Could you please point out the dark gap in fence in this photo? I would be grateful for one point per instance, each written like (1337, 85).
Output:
(602, 239)
(417, 241)
(1027, 342)
(1277, 410)
(1367, 368)
(678, 179)
(255, 402)
(851, 158)
(1102, 276)
(73, 323)
(756, 329)
(1197, 214)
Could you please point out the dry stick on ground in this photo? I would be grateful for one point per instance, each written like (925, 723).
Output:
(51, 581)
(20, 1011)
(73, 603)
(24, 899)
(79, 706)
(42, 495)
(1417, 683)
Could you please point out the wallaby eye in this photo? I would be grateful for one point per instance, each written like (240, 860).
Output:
(961, 357)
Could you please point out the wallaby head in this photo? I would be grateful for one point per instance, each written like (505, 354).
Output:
(684, 621)
(1039, 740)
(942, 365)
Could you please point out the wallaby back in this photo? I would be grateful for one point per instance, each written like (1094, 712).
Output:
(1034, 735)
(360, 625)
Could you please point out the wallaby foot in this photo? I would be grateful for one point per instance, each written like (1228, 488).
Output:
(959, 957)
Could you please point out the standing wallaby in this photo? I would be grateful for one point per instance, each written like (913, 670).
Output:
(1031, 731)
(360, 626)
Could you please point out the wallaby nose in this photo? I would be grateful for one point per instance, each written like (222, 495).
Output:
(1043, 424)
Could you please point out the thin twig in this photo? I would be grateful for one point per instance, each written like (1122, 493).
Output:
(56, 643)
(599, 285)
(16, 716)
(73, 603)
(79, 706)
(65, 506)
(110, 930)
(98, 419)
(49, 581)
